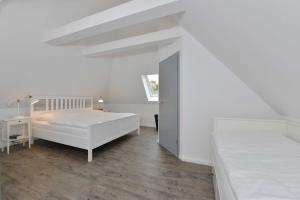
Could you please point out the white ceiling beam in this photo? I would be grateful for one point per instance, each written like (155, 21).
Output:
(124, 15)
(153, 39)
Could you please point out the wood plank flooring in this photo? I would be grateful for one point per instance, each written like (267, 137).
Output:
(132, 167)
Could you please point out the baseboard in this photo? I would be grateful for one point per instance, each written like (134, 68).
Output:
(147, 125)
(151, 127)
(196, 161)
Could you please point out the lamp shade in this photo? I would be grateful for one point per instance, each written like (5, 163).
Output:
(100, 100)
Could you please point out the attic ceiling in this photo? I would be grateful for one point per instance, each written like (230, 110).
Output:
(118, 17)
(257, 40)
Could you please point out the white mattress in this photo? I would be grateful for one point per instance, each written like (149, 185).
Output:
(69, 130)
(258, 166)
(80, 119)
(225, 191)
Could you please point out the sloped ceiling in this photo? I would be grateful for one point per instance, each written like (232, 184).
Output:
(27, 66)
(259, 40)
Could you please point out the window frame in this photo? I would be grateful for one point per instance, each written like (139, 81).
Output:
(151, 96)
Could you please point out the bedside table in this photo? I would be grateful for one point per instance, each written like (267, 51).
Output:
(8, 139)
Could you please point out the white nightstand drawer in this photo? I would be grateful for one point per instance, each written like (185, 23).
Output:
(18, 121)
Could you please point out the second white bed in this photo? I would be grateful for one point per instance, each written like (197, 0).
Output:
(256, 166)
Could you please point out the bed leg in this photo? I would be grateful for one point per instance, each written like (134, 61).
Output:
(139, 131)
(90, 155)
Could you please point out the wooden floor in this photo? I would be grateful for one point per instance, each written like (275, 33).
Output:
(132, 167)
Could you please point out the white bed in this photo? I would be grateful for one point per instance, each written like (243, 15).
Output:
(72, 121)
(254, 160)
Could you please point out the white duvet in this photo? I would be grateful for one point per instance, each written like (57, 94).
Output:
(81, 119)
(260, 166)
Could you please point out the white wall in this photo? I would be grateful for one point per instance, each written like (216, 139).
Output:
(257, 40)
(126, 91)
(125, 82)
(208, 90)
(145, 111)
(30, 67)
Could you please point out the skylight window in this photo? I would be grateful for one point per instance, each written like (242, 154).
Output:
(151, 85)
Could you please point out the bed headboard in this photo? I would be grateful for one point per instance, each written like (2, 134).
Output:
(249, 125)
(59, 103)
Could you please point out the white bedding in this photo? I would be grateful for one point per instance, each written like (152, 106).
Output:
(70, 130)
(80, 119)
(260, 166)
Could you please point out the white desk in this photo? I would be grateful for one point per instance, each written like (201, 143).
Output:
(6, 132)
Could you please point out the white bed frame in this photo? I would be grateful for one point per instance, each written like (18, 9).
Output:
(249, 125)
(91, 138)
(224, 191)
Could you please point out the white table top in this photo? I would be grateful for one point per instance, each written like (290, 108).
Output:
(16, 118)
